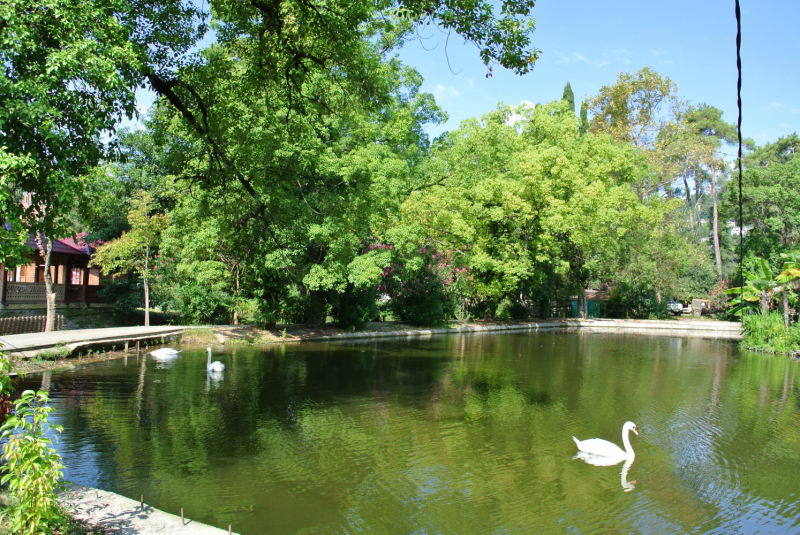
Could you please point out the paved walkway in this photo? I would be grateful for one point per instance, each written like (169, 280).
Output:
(27, 345)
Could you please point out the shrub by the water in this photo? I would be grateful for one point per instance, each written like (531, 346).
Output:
(508, 309)
(354, 307)
(421, 298)
(767, 331)
(199, 305)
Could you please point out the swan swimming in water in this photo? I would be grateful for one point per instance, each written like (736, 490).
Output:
(165, 353)
(601, 452)
(215, 366)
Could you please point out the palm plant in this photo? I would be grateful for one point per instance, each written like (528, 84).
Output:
(759, 290)
(790, 279)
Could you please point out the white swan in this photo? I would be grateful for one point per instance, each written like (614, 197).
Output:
(215, 366)
(607, 451)
(165, 353)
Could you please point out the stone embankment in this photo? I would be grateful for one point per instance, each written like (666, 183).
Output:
(118, 514)
(694, 328)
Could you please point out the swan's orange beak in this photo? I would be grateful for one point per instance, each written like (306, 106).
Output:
(635, 431)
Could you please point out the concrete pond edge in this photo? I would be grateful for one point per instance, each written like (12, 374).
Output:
(118, 514)
(706, 329)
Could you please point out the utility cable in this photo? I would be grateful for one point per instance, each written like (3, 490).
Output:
(739, 134)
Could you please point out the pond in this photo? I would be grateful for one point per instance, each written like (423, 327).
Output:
(450, 434)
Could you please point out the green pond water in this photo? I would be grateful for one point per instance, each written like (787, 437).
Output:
(450, 434)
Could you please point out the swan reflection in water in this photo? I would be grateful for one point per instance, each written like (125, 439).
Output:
(596, 460)
(599, 452)
(215, 379)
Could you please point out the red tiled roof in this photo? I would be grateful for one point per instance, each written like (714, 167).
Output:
(74, 245)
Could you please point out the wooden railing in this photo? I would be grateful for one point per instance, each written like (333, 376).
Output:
(30, 292)
(34, 292)
(75, 294)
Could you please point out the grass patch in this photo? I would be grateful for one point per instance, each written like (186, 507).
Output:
(58, 352)
(199, 336)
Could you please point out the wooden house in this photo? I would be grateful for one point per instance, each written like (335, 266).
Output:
(74, 281)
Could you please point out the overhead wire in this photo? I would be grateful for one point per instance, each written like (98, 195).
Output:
(739, 135)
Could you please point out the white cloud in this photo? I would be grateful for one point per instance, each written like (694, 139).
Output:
(656, 51)
(781, 107)
(441, 92)
(517, 116)
(471, 82)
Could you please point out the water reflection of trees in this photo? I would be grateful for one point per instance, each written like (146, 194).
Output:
(421, 430)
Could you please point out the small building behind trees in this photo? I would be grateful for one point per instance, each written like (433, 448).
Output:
(74, 281)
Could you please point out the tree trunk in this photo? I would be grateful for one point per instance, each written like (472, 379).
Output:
(582, 303)
(688, 200)
(236, 304)
(697, 209)
(50, 294)
(715, 222)
(764, 302)
(146, 289)
(785, 308)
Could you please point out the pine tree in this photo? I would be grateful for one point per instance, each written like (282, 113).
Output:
(569, 96)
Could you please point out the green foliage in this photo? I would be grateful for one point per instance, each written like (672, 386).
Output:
(69, 74)
(419, 294)
(354, 307)
(508, 309)
(635, 301)
(569, 97)
(770, 202)
(197, 305)
(125, 294)
(33, 469)
(767, 331)
(758, 291)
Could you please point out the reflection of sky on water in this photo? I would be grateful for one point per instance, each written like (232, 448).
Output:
(467, 434)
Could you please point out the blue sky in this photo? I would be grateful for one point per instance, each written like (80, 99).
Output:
(589, 43)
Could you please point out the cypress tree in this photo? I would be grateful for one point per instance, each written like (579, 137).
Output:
(569, 96)
(583, 127)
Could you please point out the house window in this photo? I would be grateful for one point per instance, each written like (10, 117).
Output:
(94, 277)
(76, 276)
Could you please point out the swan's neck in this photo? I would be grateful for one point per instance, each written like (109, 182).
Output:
(209, 358)
(627, 443)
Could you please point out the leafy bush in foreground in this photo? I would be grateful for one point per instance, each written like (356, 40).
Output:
(33, 469)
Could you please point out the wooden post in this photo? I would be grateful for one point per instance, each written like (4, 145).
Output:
(3, 284)
(67, 279)
(86, 286)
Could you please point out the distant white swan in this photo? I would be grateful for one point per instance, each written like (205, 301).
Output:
(165, 353)
(603, 452)
(215, 366)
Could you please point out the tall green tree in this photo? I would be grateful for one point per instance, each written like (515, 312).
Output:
(770, 202)
(569, 97)
(707, 121)
(69, 74)
(641, 109)
(133, 251)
